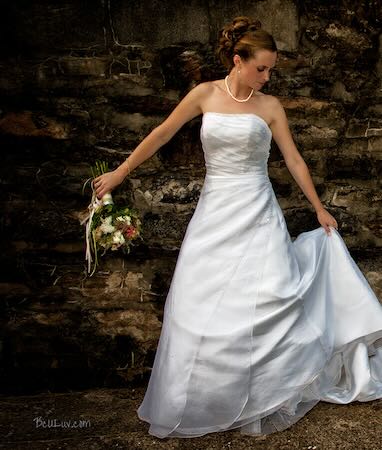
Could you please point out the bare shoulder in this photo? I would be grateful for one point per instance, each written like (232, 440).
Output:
(206, 92)
(201, 92)
(205, 88)
(209, 89)
(273, 107)
(270, 101)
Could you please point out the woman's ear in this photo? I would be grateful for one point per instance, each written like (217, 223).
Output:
(236, 59)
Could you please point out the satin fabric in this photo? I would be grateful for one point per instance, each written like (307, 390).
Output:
(257, 328)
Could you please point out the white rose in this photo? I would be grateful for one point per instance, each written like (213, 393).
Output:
(106, 225)
(124, 219)
(118, 238)
(107, 228)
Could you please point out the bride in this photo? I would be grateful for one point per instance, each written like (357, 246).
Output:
(250, 55)
(257, 329)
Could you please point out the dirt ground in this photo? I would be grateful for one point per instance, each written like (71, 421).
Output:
(109, 420)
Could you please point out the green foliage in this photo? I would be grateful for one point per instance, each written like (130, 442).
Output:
(113, 211)
(100, 168)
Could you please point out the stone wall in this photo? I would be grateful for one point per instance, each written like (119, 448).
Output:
(81, 81)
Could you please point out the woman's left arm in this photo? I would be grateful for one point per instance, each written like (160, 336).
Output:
(296, 164)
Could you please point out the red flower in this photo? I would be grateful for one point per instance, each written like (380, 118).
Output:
(130, 232)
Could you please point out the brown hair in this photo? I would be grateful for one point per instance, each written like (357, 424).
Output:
(243, 37)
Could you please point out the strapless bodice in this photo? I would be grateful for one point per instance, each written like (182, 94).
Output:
(235, 144)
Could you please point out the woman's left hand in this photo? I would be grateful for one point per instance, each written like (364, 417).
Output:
(326, 220)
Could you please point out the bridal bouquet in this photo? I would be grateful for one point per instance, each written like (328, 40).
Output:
(108, 227)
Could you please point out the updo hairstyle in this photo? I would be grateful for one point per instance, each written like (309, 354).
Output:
(243, 37)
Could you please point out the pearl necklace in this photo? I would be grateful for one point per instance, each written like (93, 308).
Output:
(230, 93)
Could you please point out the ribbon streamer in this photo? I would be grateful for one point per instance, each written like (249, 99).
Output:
(91, 245)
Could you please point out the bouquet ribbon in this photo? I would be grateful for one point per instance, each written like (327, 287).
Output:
(94, 205)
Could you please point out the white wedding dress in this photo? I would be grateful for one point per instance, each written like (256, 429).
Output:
(257, 329)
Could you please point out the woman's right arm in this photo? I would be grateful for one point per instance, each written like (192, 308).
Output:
(188, 108)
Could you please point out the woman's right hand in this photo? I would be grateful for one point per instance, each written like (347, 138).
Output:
(106, 182)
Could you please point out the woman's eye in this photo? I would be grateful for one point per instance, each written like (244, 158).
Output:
(262, 70)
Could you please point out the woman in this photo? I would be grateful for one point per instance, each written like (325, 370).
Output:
(257, 329)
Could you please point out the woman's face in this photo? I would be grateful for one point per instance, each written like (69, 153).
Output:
(256, 71)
